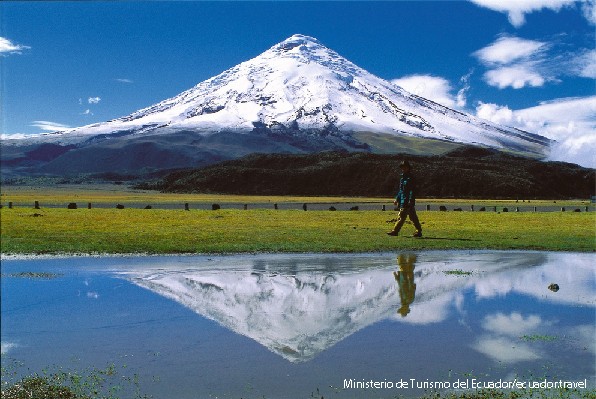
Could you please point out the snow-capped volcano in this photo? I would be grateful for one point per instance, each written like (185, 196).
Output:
(297, 96)
(298, 81)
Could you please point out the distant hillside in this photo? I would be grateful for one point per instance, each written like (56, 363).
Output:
(468, 172)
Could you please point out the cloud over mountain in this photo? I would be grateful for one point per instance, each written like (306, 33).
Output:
(434, 88)
(49, 126)
(571, 122)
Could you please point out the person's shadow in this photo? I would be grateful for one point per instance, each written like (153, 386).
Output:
(405, 282)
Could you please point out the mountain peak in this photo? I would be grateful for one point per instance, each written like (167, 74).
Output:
(302, 39)
(298, 40)
(297, 96)
(305, 49)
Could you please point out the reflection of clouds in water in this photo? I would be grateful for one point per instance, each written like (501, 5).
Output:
(513, 325)
(502, 341)
(92, 295)
(505, 350)
(299, 306)
(7, 347)
(429, 312)
(585, 337)
(574, 273)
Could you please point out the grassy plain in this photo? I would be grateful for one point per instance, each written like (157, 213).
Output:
(162, 231)
(113, 194)
(56, 230)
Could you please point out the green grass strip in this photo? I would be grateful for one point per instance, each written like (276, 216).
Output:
(154, 231)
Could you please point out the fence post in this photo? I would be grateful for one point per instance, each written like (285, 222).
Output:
(383, 208)
(10, 205)
(89, 205)
(245, 206)
(304, 207)
(472, 208)
(36, 204)
(186, 208)
(428, 207)
(275, 206)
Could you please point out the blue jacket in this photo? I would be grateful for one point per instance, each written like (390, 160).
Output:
(405, 196)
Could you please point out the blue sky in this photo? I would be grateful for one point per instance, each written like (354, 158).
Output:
(524, 63)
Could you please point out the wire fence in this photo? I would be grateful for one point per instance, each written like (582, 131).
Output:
(310, 206)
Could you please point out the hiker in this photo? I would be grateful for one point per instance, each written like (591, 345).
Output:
(406, 201)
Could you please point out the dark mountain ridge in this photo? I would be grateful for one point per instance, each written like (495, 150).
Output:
(467, 172)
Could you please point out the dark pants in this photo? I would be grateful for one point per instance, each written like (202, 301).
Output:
(408, 211)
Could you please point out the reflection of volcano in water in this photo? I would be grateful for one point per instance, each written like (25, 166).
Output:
(297, 308)
(296, 316)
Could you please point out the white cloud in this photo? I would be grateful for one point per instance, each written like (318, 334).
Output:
(514, 325)
(515, 62)
(495, 113)
(518, 63)
(584, 64)
(5, 347)
(123, 80)
(8, 47)
(505, 350)
(434, 88)
(427, 312)
(87, 112)
(585, 336)
(569, 121)
(15, 136)
(589, 10)
(507, 49)
(516, 10)
(517, 76)
(49, 126)
(503, 343)
(94, 100)
(576, 110)
(462, 93)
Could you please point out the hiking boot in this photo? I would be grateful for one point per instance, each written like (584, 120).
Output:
(392, 233)
(417, 234)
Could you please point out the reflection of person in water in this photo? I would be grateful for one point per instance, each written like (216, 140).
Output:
(405, 282)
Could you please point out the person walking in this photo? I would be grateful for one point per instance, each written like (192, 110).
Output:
(406, 201)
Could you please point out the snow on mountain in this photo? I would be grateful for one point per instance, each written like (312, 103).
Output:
(300, 84)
